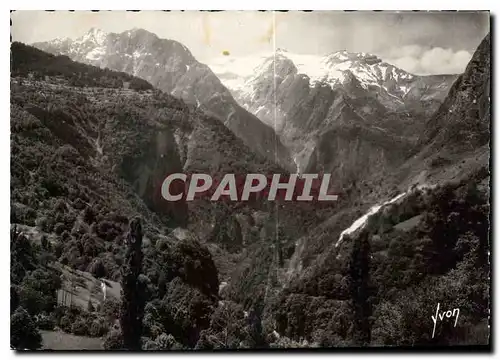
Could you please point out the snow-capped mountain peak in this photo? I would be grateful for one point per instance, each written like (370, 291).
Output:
(343, 55)
(271, 84)
(278, 64)
(367, 68)
(238, 73)
(94, 35)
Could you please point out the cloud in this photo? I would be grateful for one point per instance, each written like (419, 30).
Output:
(424, 60)
(442, 60)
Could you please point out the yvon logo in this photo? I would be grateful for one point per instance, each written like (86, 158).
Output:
(448, 314)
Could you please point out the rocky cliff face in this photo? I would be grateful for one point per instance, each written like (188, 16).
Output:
(168, 65)
(394, 88)
(313, 101)
(456, 145)
(304, 99)
(417, 227)
(463, 120)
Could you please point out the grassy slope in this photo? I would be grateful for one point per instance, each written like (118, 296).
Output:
(58, 340)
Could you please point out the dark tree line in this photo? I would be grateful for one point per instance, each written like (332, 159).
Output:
(133, 289)
(360, 290)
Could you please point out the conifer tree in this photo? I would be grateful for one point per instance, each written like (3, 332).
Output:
(359, 286)
(133, 301)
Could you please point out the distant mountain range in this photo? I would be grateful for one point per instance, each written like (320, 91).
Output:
(392, 84)
(168, 65)
(350, 114)
(299, 99)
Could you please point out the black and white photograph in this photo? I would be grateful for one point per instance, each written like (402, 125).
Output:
(250, 180)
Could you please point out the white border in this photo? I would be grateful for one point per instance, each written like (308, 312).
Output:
(186, 5)
(256, 5)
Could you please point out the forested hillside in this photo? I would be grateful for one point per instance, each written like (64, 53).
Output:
(90, 148)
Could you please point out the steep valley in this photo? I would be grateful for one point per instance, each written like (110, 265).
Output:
(90, 149)
(91, 145)
(311, 100)
(169, 66)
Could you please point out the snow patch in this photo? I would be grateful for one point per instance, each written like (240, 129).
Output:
(238, 74)
(96, 53)
(104, 289)
(383, 72)
(259, 109)
(361, 222)
(94, 35)
(404, 89)
(297, 164)
(379, 128)
(392, 95)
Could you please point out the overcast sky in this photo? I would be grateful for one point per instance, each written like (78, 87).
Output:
(419, 42)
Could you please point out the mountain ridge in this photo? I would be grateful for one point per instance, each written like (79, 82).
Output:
(170, 66)
(305, 98)
(368, 68)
